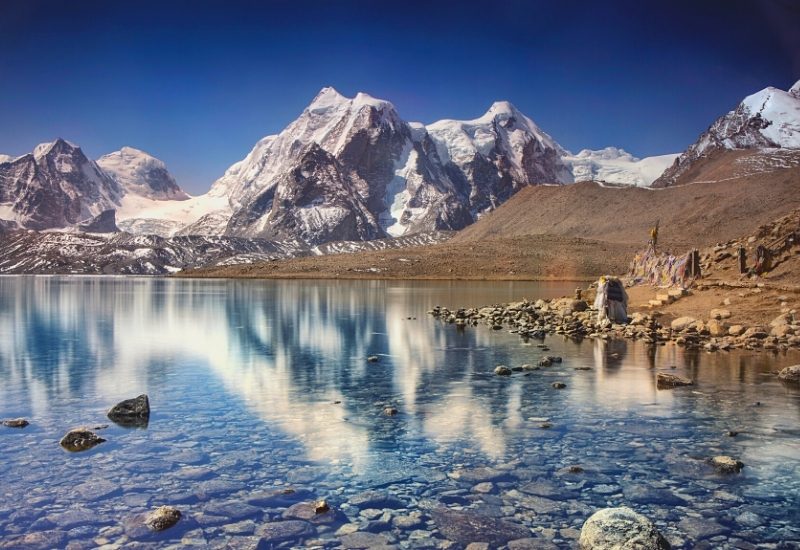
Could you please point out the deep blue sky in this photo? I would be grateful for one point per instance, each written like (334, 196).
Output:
(196, 83)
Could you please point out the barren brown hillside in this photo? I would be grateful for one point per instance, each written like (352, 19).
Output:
(695, 215)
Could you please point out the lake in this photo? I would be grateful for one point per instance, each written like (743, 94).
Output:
(263, 401)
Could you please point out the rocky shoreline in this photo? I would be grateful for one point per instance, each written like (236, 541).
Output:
(573, 317)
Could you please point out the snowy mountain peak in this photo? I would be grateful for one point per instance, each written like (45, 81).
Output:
(43, 149)
(768, 119)
(141, 174)
(502, 109)
(327, 97)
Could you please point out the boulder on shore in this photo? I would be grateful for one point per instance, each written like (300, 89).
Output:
(665, 381)
(790, 374)
(614, 528)
(80, 439)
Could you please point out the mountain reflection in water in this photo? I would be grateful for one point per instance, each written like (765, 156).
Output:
(261, 384)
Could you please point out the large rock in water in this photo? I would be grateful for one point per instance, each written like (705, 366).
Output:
(790, 374)
(131, 412)
(15, 423)
(665, 381)
(80, 439)
(620, 528)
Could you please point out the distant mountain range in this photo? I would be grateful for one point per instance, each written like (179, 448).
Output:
(353, 170)
(345, 169)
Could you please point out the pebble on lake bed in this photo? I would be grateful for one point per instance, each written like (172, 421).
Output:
(16, 423)
(163, 518)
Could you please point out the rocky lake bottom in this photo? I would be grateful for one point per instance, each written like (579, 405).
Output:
(263, 405)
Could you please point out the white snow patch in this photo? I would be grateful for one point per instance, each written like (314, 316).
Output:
(614, 165)
(780, 108)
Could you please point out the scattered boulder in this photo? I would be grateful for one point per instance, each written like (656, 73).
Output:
(716, 328)
(736, 330)
(790, 374)
(720, 314)
(80, 439)
(614, 528)
(726, 465)
(682, 323)
(502, 370)
(389, 411)
(665, 381)
(131, 412)
(559, 385)
(372, 359)
(16, 423)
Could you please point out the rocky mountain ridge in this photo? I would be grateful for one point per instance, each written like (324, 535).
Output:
(767, 120)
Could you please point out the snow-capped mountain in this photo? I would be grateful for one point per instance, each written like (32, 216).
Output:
(769, 119)
(137, 172)
(55, 186)
(380, 175)
(612, 165)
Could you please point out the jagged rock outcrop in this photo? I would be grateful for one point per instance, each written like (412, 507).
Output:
(105, 222)
(56, 186)
(317, 200)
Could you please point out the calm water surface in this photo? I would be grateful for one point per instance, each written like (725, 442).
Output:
(260, 386)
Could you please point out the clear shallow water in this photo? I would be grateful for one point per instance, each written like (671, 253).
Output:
(260, 386)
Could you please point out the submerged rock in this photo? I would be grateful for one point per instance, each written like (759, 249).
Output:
(16, 423)
(665, 381)
(283, 530)
(467, 527)
(617, 528)
(790, 374)
(80, 439)
(163, 518)
(726, 465)
(314, 512)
